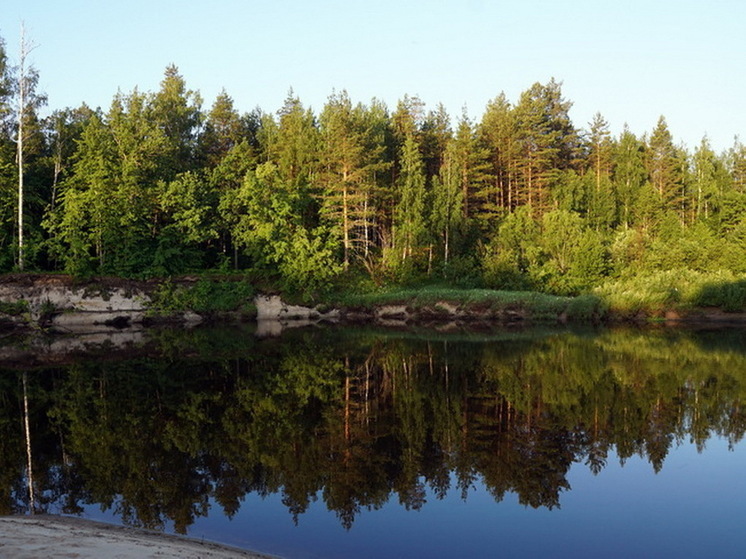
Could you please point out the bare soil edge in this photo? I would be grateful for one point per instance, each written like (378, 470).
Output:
(111, 303)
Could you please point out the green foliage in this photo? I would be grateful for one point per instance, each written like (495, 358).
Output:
(572, 192)
(536, 306)
(409, 215)
(560, 255)
(190, 202)
(560, 239)
(205, 296)
(155, 186)
(446, 215)
(461, 271)
(502, 272)
(672, 289)
(585, 308)
(727, 295)
(513, 252)
(268, 224)
(14, 308)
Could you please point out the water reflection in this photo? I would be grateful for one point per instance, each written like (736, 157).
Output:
(356, 418)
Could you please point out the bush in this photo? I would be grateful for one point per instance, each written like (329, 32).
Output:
(461, 271)
(205, 296)
(730, 296)
(674, 289)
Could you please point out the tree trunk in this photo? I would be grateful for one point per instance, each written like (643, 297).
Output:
(21, 110)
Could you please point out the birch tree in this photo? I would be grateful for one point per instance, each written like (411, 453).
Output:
(26, 81)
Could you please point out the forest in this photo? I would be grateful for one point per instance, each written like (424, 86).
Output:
(360, 194)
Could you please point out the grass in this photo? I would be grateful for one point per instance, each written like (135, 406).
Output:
(680, 290)
(538, 306)
(647, 294)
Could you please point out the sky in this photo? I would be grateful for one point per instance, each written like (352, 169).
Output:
(632, 61)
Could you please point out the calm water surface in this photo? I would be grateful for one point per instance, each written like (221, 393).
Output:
(359, 443)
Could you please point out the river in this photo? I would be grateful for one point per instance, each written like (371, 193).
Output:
(352, 442)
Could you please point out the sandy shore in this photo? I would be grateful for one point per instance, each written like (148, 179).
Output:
(42, 536)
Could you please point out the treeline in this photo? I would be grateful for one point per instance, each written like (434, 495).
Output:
(519, 199)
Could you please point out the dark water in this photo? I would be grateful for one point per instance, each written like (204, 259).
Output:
(356, 443)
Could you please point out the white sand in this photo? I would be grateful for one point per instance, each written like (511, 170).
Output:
(42, 537)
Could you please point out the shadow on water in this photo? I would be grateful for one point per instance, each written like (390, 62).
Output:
(157, 428)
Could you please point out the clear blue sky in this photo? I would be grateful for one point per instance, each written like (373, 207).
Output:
(630, 60)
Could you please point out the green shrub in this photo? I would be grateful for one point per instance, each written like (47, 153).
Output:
(205, 296)
(16, 308)
(586, 307)
(729, 296)
(538, 306)
(674, 289)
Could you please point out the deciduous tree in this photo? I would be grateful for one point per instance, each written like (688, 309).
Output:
(409, 216)
(27, 101)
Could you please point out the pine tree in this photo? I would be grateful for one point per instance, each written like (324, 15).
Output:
(224, 129)
(408, 119)
(666, 167)
(601, 148)
(707, 181)
(295, 144)
(378, 196)
(348, 172)
(601, 209)
(470, 161)
(737, 165)
(547, 142)
(498, 134)
(177, 112)
(436, 132)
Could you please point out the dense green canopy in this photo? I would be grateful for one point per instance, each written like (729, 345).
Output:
(518, 198)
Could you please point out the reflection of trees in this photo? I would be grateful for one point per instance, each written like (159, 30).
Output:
(355, 422)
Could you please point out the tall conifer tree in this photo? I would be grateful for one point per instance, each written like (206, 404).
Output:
(349, 164)
(547, 141)
(499, 136)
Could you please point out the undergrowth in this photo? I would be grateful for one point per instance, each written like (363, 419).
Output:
(680, 289)
(204, 296)
(538, 306)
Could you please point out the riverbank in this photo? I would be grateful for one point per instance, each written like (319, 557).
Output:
(63, 304)
(47, 536)
(59, 303)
